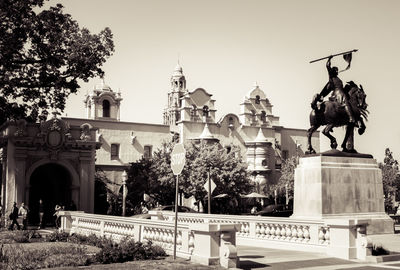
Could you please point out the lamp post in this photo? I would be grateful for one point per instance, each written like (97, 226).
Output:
(124, 191)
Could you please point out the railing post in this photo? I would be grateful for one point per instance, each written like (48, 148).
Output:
(66, 221)
(343, 237)
(314, 231)
(102, 228)
(137, 232)
(209, 249)
(252, 227)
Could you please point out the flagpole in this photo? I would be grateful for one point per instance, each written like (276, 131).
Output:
(326, 57)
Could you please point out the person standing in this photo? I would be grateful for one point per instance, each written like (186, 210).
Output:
(1, 216)
(41, 214)
(14, 216)
(23, 212)
(57, 210)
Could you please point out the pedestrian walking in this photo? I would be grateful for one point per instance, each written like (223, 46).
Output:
(41, 214)
(23, 212)
(13, 217)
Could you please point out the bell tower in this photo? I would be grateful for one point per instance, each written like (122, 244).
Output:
(103, 103)
(172, 113)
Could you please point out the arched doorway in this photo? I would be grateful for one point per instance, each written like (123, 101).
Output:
(52, 184)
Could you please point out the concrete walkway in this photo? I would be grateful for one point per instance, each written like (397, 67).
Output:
(263, 258)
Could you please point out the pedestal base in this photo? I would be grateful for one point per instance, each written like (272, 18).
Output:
(341, 187)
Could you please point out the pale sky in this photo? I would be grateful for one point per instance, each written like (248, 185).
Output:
(225, 46)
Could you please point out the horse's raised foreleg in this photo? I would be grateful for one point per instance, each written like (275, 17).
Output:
(326, 131)
(310, 131)
(362, 127)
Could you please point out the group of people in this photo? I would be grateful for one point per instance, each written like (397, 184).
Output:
(23, 210)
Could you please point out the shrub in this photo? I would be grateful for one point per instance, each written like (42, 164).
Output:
(92, 240)
(378, 250)
(57, 237)
(129, 250)
(25, 236)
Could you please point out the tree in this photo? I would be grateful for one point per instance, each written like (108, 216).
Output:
(286, 180)
(227, 170)
(390, 179)
(42, 56)
(105, 201)
(137, 184)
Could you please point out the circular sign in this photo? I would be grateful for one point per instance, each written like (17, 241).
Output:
(178, 159)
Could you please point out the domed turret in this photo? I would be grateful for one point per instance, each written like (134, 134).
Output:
(178, 71)
(102, 86)
(103, 103)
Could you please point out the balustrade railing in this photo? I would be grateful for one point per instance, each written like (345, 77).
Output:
(117, 228)
(288, 232)
(254, 230)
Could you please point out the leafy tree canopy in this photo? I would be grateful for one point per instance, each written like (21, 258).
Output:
(286, 180)
(43, 54)
(390, 178)
(227, 170)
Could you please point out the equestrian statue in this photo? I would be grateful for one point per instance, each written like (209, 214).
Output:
(345, 107)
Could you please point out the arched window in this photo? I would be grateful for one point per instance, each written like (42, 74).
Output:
(253, 116)
(193, 112)
(257, 99)
(106, 108)
(263, 116)
(205, 111)
(230, 122)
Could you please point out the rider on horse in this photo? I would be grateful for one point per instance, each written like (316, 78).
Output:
(334, 85)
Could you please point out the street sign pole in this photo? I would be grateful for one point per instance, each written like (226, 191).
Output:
(176, 214)
(209, 192)
(177, 164)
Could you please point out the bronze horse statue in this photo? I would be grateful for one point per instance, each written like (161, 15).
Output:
(332, 114)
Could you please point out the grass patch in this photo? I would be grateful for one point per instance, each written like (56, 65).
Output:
(43, 255)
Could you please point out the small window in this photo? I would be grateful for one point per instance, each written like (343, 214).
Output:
(253, 116)
(114, 151)
(263, 116)
(228, 149)
(257, 99)
(147, 152)
(264, 163)
(230, 121)
(205, 111)
(106, 108)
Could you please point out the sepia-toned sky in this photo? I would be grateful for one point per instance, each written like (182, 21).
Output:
(225, 46)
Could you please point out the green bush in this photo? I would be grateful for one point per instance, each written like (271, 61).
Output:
(92, 240)
(25, 236)
(129, 250)
(57, 237)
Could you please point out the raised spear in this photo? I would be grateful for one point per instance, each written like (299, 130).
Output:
(316, 60)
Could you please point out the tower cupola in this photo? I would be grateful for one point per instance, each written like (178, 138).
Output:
(103, 103)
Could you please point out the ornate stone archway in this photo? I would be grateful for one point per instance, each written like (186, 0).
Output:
(29, 147)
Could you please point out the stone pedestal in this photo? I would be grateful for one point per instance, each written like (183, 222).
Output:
(346, 193)
(340, 187)
(215, 244)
